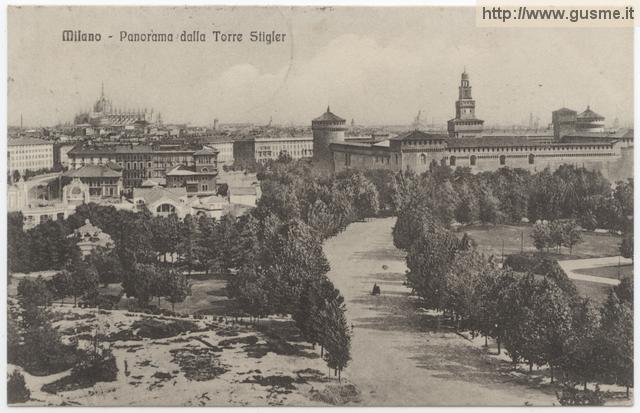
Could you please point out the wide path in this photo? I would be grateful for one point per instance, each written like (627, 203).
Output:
(399, 359)
(570, 267)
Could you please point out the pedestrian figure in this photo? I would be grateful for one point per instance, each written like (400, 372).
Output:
(376, 289)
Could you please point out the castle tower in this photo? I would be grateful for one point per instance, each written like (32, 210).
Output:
(327, 129)
(465, 124)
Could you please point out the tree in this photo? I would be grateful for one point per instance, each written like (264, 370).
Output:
(146, 283)
(34, 292)
(428, 260)
(615, 338)
(107, 265)
(556, 234)
(81, 277)
(571, 234)
(541, 235)
(582, 355)
(177, 287)
(308, 315)
(487, 206)
(187, 245)
(336, 337)
(624, 290)
(207, 244)
(463, 278)
(18, 248)
(626, 246)
(17, 390)
(165, 235)
(250, 287)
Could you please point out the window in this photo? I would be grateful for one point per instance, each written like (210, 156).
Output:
(503, 159)
(472, 160)
(166, 208)
(452, 161)
(531, 159)
(423, 158)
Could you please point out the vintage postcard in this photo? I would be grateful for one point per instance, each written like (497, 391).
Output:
(320, 206)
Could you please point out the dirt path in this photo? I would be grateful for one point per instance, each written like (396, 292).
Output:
(398, 357)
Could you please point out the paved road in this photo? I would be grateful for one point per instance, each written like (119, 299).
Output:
(398, 357)
(570, 267)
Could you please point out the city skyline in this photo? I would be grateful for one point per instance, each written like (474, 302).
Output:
(371, 66)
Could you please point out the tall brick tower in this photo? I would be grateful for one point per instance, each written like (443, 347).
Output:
(327, 129)
(465, 123)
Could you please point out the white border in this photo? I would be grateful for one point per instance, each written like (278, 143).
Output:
(3, 187)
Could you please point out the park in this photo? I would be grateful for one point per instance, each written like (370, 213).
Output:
(277, 304)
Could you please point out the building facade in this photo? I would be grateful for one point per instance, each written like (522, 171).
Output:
(29, 154)
(416, 150)
(578, 139)
(139, 162)
(102, 181)
(270, 148)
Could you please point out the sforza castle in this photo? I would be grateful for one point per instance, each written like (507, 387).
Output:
(578, 139)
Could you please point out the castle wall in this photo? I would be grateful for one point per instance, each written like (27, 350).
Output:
(613, 160)
(348, 156)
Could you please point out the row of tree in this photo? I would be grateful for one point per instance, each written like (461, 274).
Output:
(535, 314)
(556, 234)
(509, 195)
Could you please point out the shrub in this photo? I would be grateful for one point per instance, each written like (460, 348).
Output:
(17, 391)
(151, 328)
(92, 368)
(570, 396)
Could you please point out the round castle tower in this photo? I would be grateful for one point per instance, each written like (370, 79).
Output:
(327, 129)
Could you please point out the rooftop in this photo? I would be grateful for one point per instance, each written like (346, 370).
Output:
(151, 195)
(590, 115)
(22, 141)
(206, 151)
(93, 171)
(328, 116)
(418, 135)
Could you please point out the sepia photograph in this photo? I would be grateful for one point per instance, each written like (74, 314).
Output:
(301, 206)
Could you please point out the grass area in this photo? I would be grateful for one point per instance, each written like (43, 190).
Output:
(608, 272)
(597, 292)
(492, 238)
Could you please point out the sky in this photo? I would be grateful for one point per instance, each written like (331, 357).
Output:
(375, 65)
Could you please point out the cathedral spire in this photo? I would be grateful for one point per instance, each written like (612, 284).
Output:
(102, 90)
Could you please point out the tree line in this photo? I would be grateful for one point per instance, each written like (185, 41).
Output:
(528, 306)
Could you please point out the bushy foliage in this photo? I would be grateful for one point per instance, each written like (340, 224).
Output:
(17, 390)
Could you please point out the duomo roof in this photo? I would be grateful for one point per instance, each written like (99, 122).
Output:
(328, 116)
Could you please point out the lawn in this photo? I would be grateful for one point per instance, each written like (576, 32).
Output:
(608, 272)
(207, 297)
(597, 292)
(491, 239)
